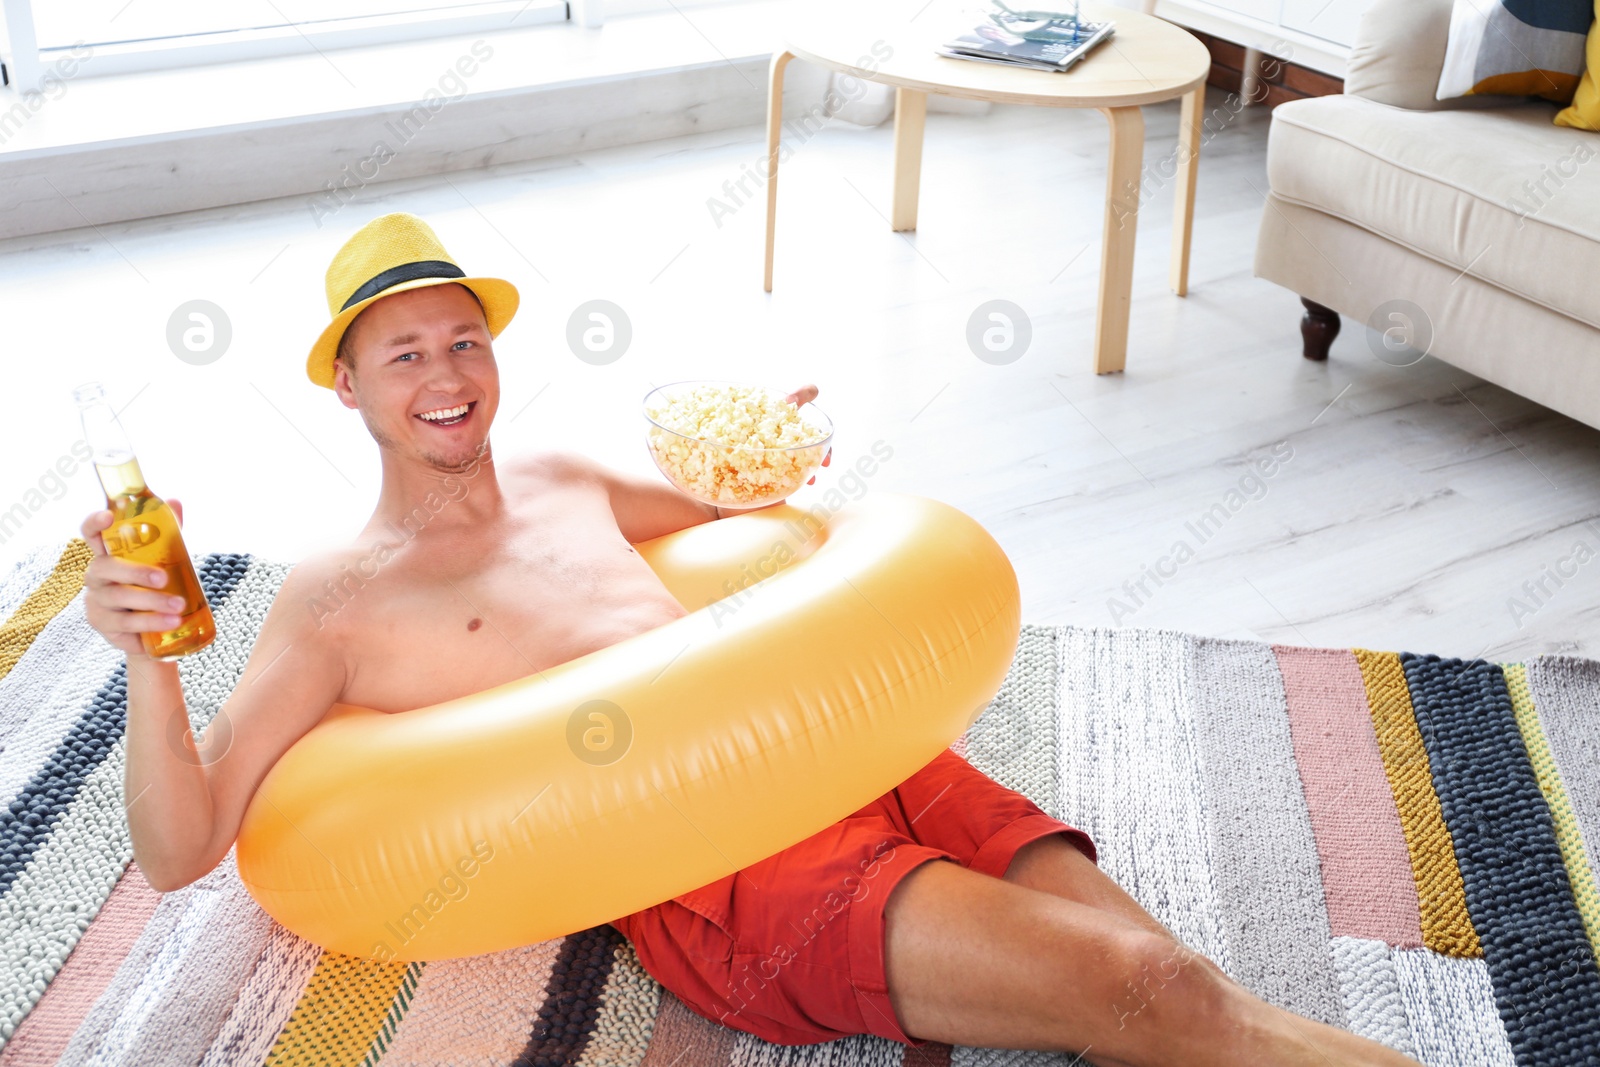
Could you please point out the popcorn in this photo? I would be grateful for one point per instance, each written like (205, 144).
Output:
(740, 446)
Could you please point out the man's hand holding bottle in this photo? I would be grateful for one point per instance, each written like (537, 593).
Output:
(123, 599)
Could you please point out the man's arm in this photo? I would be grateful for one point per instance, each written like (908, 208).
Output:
(185, 796)
(645, 507)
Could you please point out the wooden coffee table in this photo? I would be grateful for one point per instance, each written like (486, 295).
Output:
(892, 41)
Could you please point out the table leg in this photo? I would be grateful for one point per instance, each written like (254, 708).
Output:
(910, 115)
(1189, 131)
(780, 60)
(1116, 254)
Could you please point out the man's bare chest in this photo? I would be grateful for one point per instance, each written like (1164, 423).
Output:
(431, 627)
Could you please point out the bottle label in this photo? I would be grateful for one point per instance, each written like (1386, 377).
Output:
(126, 537)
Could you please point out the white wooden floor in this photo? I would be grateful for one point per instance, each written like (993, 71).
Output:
(1414, 509)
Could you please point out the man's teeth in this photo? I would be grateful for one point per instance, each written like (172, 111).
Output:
(444, 413)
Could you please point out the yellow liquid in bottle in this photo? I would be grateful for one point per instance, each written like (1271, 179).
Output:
(144, 530)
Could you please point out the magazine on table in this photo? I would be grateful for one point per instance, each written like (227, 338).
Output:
(990, 43)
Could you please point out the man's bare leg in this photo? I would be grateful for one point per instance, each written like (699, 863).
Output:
(1013, 963)
(1054, 866)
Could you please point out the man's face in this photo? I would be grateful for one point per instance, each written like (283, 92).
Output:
(423, 351)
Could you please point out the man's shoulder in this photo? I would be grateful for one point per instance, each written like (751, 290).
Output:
(307, 605)
(327, 562)
(340, 585)
(552, 464)
(318, 576)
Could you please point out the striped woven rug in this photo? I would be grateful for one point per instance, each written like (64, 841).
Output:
(1401, 845)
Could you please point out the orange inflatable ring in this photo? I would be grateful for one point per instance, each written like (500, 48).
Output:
(826, 658)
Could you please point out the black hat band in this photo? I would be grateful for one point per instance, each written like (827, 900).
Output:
(405, 272)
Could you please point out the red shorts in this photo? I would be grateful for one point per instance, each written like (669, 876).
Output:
(791, 949)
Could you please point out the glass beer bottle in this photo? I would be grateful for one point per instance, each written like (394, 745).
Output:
(143, 528)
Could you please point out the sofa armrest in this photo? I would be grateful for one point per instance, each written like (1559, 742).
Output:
(1398, 54)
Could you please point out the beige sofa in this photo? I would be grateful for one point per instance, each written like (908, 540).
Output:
(1471, 229)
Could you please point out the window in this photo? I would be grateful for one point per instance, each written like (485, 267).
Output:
(129, 35)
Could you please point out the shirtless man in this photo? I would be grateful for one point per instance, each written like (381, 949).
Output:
(531, 567)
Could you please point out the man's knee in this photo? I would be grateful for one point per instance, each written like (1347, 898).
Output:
(1162, 986)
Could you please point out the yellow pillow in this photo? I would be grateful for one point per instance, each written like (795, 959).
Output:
(1584, 114)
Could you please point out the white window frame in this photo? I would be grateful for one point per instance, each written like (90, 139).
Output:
(624, 8)
(26, 62)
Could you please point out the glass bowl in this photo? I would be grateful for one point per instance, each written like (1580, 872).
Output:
(731, 474)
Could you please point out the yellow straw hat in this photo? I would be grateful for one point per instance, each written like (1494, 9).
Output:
(390, 255)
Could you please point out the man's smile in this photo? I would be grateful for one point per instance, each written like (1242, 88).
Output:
(451, 416)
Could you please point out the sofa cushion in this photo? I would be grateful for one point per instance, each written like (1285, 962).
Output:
(1399, 52)
(1501, 194)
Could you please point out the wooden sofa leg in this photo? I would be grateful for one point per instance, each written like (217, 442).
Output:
(1318, 327)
